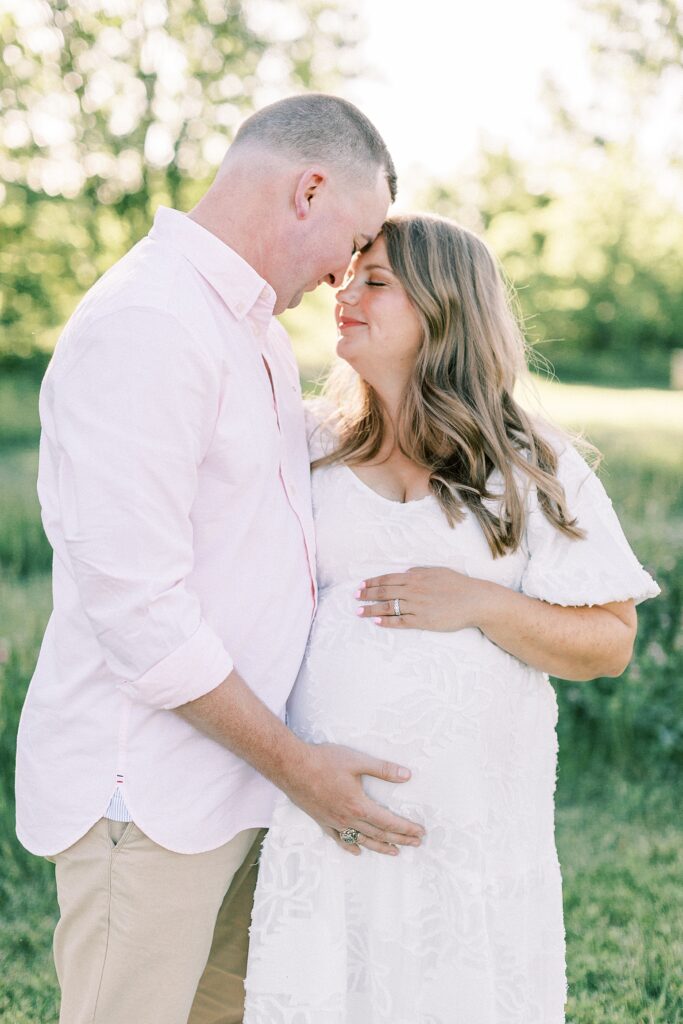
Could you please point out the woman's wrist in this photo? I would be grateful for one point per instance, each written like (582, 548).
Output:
(487, 603)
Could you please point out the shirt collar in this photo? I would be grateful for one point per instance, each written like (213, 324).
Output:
(244, 292)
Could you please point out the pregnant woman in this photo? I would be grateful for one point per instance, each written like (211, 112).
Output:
(465, 549)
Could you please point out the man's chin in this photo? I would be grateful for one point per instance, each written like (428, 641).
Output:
(295, 300)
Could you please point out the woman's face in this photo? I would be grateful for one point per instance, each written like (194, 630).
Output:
(379, 329)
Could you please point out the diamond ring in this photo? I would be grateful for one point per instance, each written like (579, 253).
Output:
(397, 606)
(349, 836)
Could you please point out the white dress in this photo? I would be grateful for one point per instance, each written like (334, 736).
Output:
(467, 928)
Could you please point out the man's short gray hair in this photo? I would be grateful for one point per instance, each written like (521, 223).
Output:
(321, 128)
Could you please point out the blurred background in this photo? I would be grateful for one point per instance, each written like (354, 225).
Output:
(556, 130)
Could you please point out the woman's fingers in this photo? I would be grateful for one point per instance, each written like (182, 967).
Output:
(391, 579)
(383, 593)
(369, 611)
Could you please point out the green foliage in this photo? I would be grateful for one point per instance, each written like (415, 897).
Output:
(24, 550)
(19, 423)
(621, 742)
(622, 867)
(593, 255)
(107, 110)
(28, 986)
(628, 721)
(649, 36)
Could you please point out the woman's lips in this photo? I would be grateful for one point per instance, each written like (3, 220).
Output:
(348, 322)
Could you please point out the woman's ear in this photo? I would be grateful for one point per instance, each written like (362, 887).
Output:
(308, 186)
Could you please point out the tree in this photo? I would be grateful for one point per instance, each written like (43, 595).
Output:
(110, 107)
(649, 35)
(594, 255)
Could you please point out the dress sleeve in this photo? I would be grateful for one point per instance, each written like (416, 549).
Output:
(597, 569)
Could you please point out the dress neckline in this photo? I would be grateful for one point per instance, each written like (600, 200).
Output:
(380, 497)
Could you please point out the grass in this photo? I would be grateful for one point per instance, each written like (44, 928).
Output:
(19, 424)
(621, 741)
(622, 868)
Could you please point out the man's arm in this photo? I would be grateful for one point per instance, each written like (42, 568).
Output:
(135, 404)
(323, 779)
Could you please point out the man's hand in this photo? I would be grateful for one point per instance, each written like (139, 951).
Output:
(323, 779)
(326, 784)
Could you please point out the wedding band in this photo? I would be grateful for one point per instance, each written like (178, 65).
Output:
(349, 836)
(397, 606)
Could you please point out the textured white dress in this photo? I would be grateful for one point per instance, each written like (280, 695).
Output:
(468, 928)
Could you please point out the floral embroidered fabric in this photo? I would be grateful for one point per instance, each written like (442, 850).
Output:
(467, 928)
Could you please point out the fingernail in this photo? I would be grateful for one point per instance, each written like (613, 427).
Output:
(361, 586)
(403, 773)
(393, 853)
(378, 622)
(359, 611)
(358, 593)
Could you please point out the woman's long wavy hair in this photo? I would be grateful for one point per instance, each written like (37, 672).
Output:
(458, 417)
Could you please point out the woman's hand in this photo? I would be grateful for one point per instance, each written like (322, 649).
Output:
(577, 642)
(429, 598)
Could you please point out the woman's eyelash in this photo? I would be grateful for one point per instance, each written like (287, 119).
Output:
(375, 284)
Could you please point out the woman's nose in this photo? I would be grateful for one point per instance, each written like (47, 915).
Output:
(346, 294)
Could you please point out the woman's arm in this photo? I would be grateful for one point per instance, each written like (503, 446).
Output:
(570, 643)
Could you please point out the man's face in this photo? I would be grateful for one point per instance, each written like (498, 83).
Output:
(344, 219)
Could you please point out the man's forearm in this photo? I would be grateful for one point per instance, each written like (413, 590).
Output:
(234, 716)
(323, 779)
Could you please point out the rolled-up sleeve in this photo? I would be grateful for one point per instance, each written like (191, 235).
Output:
(134, 406)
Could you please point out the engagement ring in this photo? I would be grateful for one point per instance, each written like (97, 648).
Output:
(349, 836)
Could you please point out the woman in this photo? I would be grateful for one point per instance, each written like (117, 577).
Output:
(465, 549)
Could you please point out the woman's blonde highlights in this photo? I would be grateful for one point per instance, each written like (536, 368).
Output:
(458, 418)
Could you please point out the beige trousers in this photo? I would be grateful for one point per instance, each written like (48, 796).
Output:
(147, 936)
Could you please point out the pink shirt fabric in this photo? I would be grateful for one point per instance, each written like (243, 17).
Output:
(174, 486)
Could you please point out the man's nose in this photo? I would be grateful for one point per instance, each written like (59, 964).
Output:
(336, 278)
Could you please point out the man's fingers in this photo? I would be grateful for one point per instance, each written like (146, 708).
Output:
(389, 771)
(382, 824)
(386, 835)
(352, 848)
(376, 846)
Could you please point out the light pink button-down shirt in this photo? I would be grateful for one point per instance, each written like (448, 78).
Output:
(174, 485)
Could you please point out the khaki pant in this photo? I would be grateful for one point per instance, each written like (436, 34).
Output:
(136, 928)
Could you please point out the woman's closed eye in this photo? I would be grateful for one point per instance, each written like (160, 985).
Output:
(375, 284)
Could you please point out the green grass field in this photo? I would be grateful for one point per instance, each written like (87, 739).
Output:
(620, 835)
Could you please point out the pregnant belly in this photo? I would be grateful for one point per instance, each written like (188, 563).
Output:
(450, 705)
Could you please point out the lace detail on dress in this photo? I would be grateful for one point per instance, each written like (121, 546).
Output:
(467, 928)
(596, 570)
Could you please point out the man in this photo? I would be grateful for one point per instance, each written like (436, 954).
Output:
(174, 489)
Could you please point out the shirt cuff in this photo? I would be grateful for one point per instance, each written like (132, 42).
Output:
(193, 669)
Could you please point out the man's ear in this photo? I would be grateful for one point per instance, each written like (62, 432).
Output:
(308, 186)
